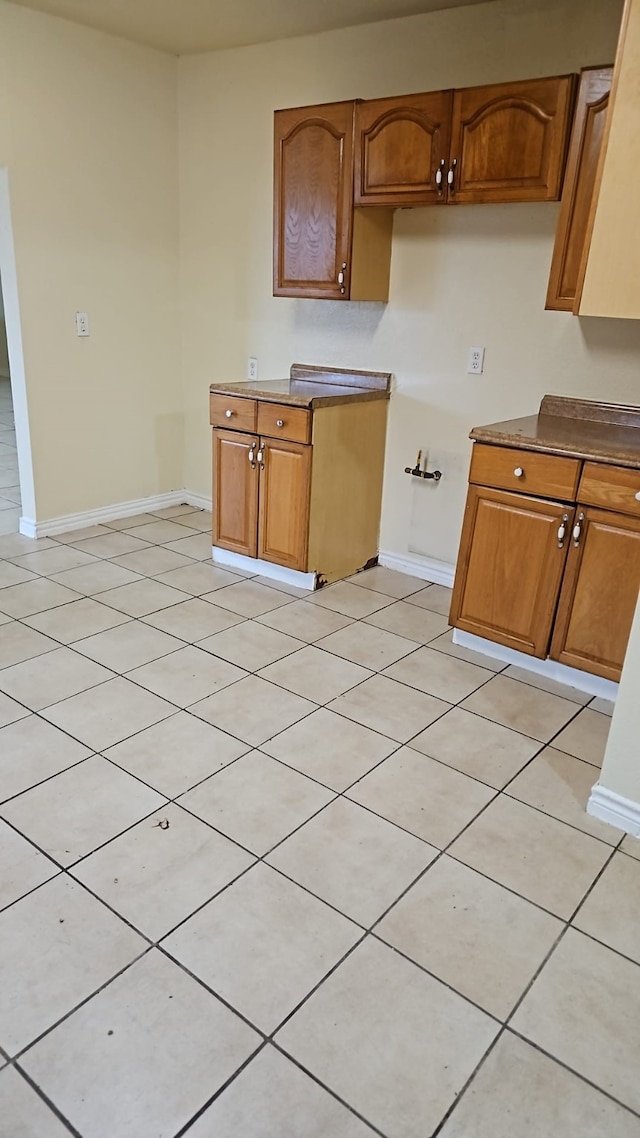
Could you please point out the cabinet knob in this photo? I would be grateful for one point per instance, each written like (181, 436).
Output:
(562, 529)
(638, 496)
(518, 472)
(451, 176)
(228, 414)
(279, 422)
(341, 276)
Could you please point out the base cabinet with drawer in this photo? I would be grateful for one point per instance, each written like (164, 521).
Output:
(299, 487)
(552, 569)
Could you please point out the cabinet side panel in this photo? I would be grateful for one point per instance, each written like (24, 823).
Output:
(510, 567)
(235, 492)
(371, 254)
(346, 487)
(611, 285)
(599, 595)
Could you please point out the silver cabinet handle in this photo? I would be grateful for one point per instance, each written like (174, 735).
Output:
(451, 175)
(518, 472)
(261, 458)
(341, 276)
(577, 530)
(440, 176)
(252, 458)
(279, 422)
(562, 529)
(638, 496)
(228, 414)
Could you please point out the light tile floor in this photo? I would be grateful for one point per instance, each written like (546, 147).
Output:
(288, 866)
(9, 481)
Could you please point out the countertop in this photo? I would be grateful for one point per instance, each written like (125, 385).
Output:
(576, 428)
(311, 386)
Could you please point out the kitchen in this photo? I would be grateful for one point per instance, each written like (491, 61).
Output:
(99, 231)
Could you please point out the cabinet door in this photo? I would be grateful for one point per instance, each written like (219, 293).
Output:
(508, 140)
(510, 564)
(235, 492)
(400, 146)
(283, 526)
(313, 193)
(579, 182)
(599, 593)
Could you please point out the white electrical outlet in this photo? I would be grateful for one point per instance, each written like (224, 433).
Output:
(252, 367)
(475, 361)
(82, 323)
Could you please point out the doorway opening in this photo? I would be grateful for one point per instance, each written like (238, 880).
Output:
(17, 499)
(10, 501)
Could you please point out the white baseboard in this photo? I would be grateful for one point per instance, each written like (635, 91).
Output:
(573, 677)
(229, 560)
(613, 808)
(51, 526)
(426, 568)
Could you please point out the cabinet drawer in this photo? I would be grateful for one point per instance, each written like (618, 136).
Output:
(232, 411)
(508, 468)
(281, 421)
(612, 487)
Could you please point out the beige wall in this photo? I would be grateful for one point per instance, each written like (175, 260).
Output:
(459, 276)
(88, 133)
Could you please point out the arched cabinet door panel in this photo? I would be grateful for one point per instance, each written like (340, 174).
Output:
(312, 199)
(401, 149)
(508, 140)
(579, 184)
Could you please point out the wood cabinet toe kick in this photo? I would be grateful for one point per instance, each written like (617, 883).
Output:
(549, 559)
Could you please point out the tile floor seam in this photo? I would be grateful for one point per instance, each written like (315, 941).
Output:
(326, 1087)
(187, 1126)
(48, 1102)
(48, 778)
(572, 1070)
(81, 1003)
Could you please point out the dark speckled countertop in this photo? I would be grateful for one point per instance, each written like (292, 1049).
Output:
(576, 428)
(310, 386)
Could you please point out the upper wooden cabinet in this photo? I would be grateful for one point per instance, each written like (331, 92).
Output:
(321, 248)
(332, 234)
(609, 282)
(402, 149)
(501, 143)
(508, 140)
(584, 151)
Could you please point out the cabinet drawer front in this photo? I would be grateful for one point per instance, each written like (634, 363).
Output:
(612, 487)
(243, 412)
(281, 421)
(508, 468)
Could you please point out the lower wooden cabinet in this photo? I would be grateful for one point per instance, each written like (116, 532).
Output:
(261, 503)
(511, 560)
(546, 577)
(302, 489)
(599, 593)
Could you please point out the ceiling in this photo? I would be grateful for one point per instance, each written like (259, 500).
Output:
(185, 26)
